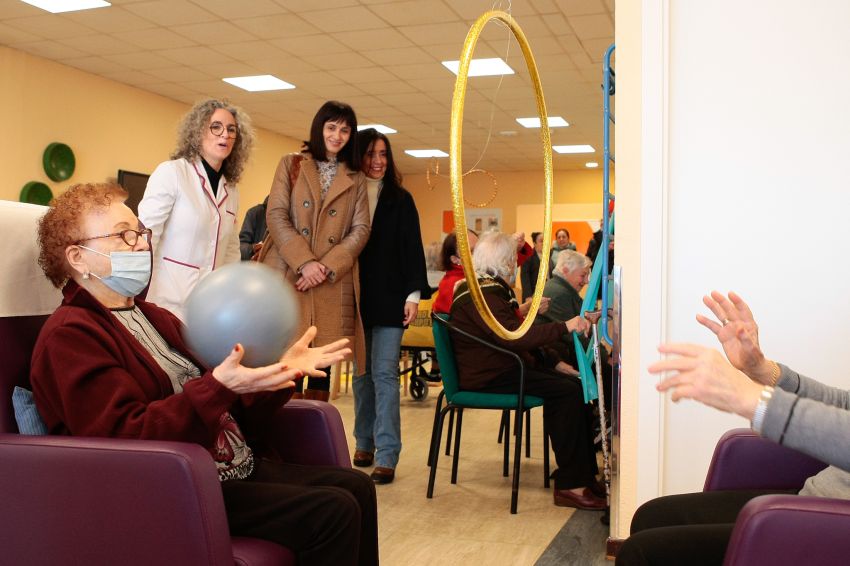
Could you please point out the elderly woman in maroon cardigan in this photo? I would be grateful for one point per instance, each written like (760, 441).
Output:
(109, 364)
(483, 369)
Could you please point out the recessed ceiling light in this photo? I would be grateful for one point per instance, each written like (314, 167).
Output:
(59, 6)
(482, 67)
(380, 127)
(591, 165)
(426, 153)
(573, 148)
(553, 121)
(259, 83)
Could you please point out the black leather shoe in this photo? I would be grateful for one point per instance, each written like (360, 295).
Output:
(587, 501)
(383, 475)
(363, 459)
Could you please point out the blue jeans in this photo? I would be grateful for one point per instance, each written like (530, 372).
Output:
(377, 424)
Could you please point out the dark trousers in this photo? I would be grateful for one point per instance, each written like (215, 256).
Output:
(567, 419)
(315, 383)
(325, 514)
(693, 528)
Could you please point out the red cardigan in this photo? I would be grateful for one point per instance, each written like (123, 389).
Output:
(91, 377)
(446, 290)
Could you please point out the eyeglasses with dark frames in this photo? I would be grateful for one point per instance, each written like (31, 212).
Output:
(217, 129)
(130, 236)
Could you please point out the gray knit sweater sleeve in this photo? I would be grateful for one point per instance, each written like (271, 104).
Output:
(815, 419)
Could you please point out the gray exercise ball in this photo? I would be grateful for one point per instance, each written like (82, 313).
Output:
(247, 303)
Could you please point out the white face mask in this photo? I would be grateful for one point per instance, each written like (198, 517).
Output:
(131, 271)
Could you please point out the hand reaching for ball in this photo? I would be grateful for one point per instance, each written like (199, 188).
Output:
(241, 380)
(299, 360)
(308, 360)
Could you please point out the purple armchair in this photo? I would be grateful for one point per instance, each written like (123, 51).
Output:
(72, 500)
(777, 529)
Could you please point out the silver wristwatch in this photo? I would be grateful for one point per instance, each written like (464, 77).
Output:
(761, 408)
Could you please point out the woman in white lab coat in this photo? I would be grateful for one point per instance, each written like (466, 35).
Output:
(191, 202)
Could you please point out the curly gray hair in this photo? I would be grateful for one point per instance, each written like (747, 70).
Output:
(192, 127)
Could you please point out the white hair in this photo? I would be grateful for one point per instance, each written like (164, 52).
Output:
(495, 255)
(570, 260)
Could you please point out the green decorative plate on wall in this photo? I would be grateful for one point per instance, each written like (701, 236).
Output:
(58, 161)
(36, 192)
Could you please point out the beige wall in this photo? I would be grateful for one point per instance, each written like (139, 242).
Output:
(109, 126)
(515, 189)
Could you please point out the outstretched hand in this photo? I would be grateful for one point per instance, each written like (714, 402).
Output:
(308, 360)
(241, 380)
(738, 333)
(700, 373)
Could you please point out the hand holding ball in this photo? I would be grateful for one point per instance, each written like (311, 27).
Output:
(246, 303)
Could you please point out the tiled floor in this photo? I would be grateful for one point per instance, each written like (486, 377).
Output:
(469, 522)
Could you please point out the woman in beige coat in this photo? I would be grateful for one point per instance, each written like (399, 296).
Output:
(318, 222)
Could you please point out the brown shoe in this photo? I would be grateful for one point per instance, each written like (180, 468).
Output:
(383, 475)
(587, 501)
(363, 459)
(597, 488)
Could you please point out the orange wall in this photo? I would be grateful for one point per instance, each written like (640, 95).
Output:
(109, 126)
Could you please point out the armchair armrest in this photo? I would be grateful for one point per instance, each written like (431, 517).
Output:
(107, 501)
(744, 460)
(789, 530)
(309, 432)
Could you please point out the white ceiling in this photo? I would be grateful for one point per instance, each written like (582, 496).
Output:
(382, 57)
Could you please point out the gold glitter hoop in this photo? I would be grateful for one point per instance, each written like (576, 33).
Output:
(485, 204)
(455, 162)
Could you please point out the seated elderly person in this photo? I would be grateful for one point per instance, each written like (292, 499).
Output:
(569, 276)
(111, 365)
(450, 263)
(783, 406)
(483, 369)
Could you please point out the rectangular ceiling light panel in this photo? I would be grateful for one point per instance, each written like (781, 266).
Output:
(584, 148)
(380, 127)
(553, 121)
(259, 83)
(60, 6)
(426, 153)
(482, 67)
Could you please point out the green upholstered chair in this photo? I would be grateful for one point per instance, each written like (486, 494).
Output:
(457, 400)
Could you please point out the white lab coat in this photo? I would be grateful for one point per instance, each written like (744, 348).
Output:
(194, 230)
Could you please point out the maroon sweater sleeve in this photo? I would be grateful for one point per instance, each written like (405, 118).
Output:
(538, 335)
(89, 379)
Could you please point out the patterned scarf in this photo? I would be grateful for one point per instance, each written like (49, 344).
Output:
(327, 172)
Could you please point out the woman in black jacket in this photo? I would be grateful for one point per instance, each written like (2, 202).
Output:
(392, 280)
(529, 270)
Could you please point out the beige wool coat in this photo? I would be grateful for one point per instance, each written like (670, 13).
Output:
(303, 227)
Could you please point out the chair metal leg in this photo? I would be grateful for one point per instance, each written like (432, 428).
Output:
(449, 435)
(528, 433)
(435, 442)
(437, 409)
(517, 456)
(507, 446)
(506, 417)
(545, 456)
(457, 443)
